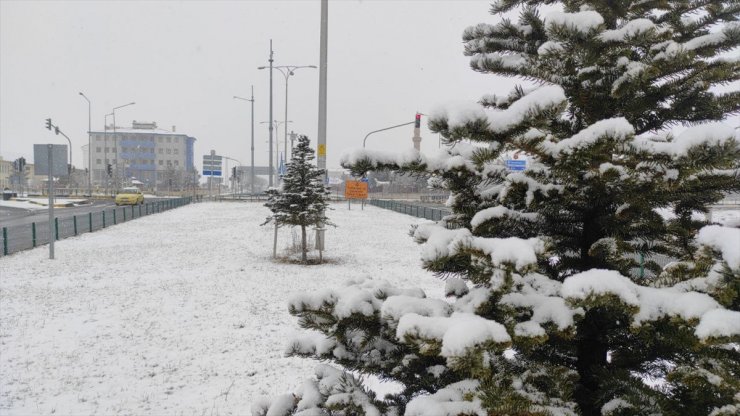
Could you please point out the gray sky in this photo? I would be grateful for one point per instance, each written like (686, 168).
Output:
(182, 61)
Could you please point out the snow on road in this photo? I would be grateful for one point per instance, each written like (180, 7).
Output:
(180, 313)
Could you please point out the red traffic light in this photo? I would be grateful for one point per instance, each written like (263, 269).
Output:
(417, 123)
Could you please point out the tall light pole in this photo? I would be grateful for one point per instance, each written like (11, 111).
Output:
(251, 101)
(270, 129)
(89, 144)
(277, 124)
(287, 71)
(323, 52)
(105, 151)
(115, 138)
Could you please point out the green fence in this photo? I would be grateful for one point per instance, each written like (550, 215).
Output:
(417, 210)
(23, 237)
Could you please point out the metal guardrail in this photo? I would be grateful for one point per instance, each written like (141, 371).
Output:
(23, 237)
(421, 211)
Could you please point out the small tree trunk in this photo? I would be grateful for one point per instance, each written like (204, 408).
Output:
(303, 244)
(274, 242)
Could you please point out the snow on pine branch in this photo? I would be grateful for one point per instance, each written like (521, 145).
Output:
(582, 22)
(452, 400)
(441, 242)
(705, 134)
(628, 30)
(458, 333)
(441, 160)
(500, 212)
(501, 121)
(671, 49)
(613, 128)
(653, 303)
(726, 240)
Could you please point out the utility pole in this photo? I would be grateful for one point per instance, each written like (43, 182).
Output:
(270, 118)
(321, 150)
(252, 147)
(252, 168)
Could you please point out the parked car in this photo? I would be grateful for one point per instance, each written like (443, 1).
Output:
(129, 196)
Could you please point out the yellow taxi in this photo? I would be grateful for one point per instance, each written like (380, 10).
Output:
(129, 196)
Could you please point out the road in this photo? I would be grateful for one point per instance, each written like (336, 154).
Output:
(10, 217)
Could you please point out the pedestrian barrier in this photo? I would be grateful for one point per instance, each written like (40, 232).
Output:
(23, 237)
(421, 211)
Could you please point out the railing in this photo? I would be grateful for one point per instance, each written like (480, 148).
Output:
(23, 237)
(421, 211)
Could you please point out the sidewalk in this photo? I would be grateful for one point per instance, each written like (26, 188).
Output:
(181, 313)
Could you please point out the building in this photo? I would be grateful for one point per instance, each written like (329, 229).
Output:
(6, 171)
(145, 152)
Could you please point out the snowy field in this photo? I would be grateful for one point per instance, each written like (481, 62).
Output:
(180, 313)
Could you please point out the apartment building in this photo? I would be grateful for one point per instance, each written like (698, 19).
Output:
(144, 152)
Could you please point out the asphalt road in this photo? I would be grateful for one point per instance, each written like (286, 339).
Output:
(20, 216)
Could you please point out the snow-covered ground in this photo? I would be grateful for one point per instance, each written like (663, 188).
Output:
(180, 313)
(39, 202)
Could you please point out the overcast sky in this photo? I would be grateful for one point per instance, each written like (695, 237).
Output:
(183, 61)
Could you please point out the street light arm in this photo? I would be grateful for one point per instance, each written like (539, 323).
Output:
(387, 128)
(229, 158)
(121, 106)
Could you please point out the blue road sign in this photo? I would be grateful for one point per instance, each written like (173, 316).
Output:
(516, 165)
(366, 180)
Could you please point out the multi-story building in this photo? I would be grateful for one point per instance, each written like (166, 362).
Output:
(153, 156)
(6, 171)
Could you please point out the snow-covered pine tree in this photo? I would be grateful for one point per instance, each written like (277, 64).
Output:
(552, 314)
(302, 198)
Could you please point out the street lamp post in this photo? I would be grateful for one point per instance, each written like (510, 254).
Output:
(251, 101)
(277, 143)
(287, 71)
(115, 138)
(89, 144)
(105, 151)
(387, 128)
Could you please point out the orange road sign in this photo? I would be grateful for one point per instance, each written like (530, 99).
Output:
(355, 190)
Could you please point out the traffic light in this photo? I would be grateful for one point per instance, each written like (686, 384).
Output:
(48, 123)
(233, 172)
(109, 169)
(56, 129)
(21, 164)
(417, 122)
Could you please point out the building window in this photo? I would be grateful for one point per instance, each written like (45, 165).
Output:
(177, 163)
(161, 162)
(169, 140)
(159, 140)
(177, 140)
(97, 149)
(114, 150)
(176, 151)
(97, 161)
(161, 151)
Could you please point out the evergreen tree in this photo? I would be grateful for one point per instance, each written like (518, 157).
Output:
(554, 312)
(302, 198)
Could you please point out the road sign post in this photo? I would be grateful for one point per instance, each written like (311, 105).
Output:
(50, 159)
(355, 190)
(211, 167)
